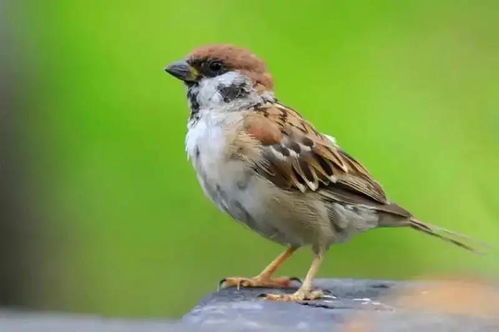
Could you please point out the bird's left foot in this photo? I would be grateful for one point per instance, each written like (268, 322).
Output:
(298, 296)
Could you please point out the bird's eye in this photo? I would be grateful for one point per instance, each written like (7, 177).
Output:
(215, 66)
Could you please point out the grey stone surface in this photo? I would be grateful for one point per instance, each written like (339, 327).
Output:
(24, 321)
(358, 305)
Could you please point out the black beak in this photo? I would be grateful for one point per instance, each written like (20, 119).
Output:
(183, 71)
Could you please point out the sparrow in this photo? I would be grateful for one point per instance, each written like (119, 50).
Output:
(267, 167)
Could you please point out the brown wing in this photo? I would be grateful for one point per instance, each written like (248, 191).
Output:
(295, 156)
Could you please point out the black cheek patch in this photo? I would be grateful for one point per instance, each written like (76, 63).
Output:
(232, 92)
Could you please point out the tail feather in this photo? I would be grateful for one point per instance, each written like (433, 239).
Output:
(460, 240)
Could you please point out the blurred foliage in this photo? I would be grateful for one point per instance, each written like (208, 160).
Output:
(409, 88)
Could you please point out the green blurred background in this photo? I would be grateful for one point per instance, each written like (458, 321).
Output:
(101, 211)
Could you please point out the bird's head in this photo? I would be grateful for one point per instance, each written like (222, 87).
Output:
(223, 76)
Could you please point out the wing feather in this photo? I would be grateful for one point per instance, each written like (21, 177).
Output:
(297, 157)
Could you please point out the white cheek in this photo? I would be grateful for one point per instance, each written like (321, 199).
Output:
(209, 95)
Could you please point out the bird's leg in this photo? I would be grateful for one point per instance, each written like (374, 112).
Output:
(305, 292)
(264, 279)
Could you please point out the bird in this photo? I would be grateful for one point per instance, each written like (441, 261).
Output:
(267, 167)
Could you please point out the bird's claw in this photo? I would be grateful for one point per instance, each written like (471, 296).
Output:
(238, 282)
(298, 296)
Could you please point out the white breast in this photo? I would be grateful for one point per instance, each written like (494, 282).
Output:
(230, 183)
(207, 140)
(206, 144)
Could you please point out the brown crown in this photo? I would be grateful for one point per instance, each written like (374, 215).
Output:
(237, 58)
